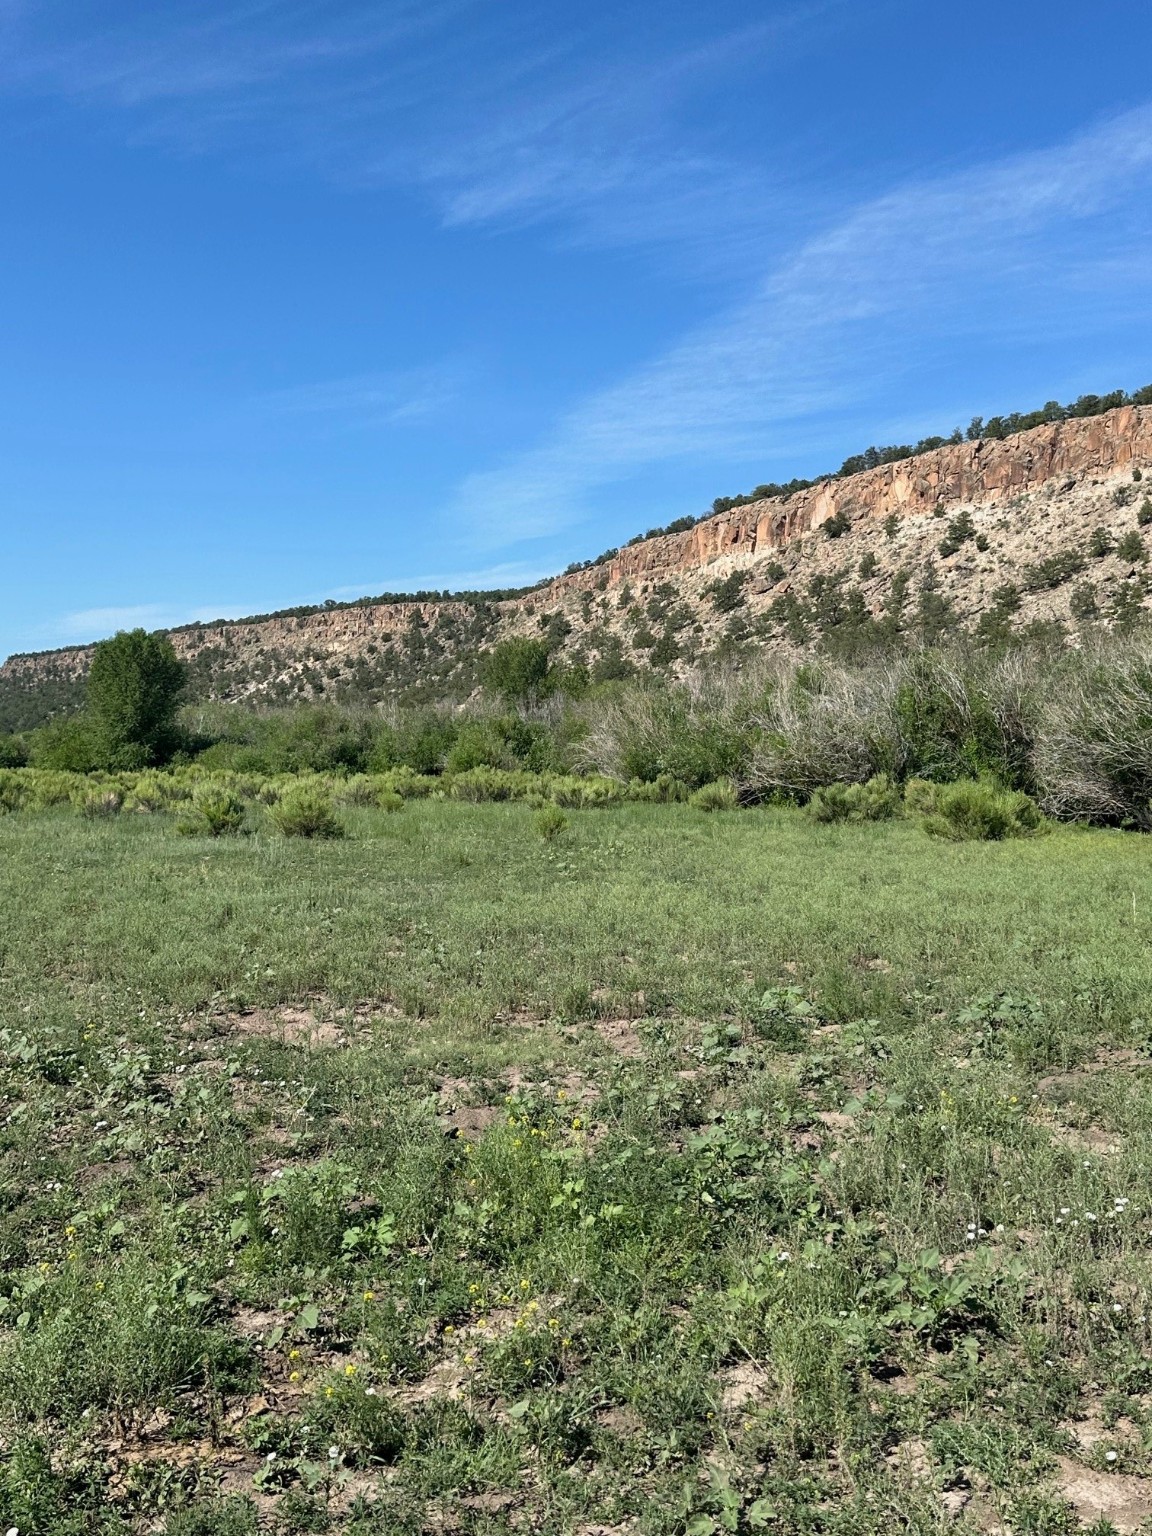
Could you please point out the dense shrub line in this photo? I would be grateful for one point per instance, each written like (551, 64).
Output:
(1073, 729)
(215, 804)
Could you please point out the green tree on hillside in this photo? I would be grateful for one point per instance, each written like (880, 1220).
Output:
(518, 670)
(134, 686)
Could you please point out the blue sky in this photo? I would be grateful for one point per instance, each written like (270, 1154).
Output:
(302, 301)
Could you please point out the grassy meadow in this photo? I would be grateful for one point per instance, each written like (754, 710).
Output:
(644, 1170)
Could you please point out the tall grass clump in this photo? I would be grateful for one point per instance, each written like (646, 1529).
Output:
(306, 812)
(696, 735)
(1094, 756)
(820, 724)
(216, 812)
(720, 796)
(973, 810)
(877, 800)
(930, 715)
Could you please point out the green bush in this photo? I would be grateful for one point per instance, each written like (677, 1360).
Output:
(101, 803)
(518, 670)
(504, 742)
(308, 739)
(1131, 548)
(1053, 571)
(646, 733)
(15, 791)
(727, 595)
(974, 810)
(13, 752)
(306, 812)
(720, 796)
(835, 527)
(156, 791)
(664, 789)
(585, 794)
(958, 720)
(959, 531)
(420, 743)
(220, 810)
(877, 800)
(550, 821)
(482, 784)
(69, 746)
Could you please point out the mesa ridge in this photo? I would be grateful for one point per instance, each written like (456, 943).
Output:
(773, 572)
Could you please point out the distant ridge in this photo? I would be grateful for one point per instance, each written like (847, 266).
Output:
(1044, 525)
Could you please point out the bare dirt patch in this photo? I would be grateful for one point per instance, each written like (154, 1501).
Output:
(620, 1419)
(742, 1384)
(1123, 1500)
(459, 1112)
(1066, 1085)
(621, 1036)
(1088, 1138)
(291, 1026)
(911, 1459)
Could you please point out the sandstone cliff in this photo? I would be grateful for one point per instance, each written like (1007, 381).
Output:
(1039, 514)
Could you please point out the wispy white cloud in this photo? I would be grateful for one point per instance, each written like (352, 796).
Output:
(401, 397)
(605, 149)
(498, 118)
(169, 54)
(1015, 251)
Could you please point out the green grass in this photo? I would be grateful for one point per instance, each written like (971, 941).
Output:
(675, 1173)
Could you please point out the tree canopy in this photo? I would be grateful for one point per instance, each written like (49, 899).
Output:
(517, 670)
(134, 686)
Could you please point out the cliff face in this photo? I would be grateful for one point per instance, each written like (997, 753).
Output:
(976, 474)
(1028, 499)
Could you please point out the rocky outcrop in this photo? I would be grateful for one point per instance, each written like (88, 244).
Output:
(1031, 496)
(982, 473)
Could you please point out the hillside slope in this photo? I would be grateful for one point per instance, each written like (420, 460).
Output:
(1044, 527)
